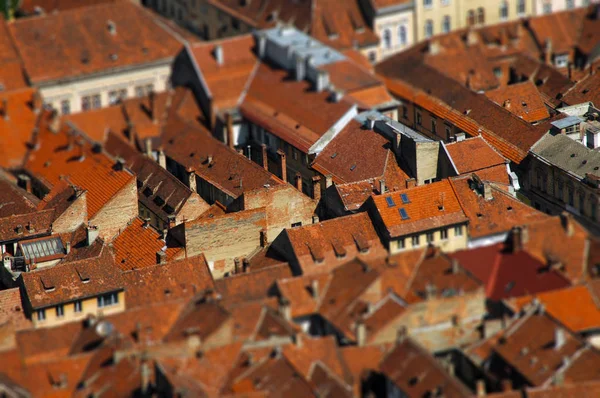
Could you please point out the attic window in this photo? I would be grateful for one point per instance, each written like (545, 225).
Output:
(159, 201)
(403, 213)
(585, 91)
(83, 276)
(404, 198)
(47, 284)
(147, 192)
(390, 201)
(352, 167)
(334, 155)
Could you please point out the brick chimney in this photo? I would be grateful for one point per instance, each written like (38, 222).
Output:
(316, 186)
(298, 180)
(24, 182)
(230, 135)
(264, 158)
(162, 158)
(282, 164)
(5, 109)
(361, 333)
(161, 257)
(264, 240)
(411, 183)
(567, 223)
(192, 179)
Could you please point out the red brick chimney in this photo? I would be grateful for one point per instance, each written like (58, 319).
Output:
(316, 183)
(411, 183)
(230, 136)
(282, 164)
(264, 240)
(265, 160)
(298, 178)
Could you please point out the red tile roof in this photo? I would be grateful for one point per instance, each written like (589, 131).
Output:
(137, 246)
(15, 130)
(473, 154)
(85, 167)
(49, 6)
(11, 310)
(166, 282)
(51, 49)
(430, 206)
(328, 244)
(299, 291)
(521, 99)
(72, 281)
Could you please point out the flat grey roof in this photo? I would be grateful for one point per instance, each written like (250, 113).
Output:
(568, 121)
(568, 154)
(399, 127)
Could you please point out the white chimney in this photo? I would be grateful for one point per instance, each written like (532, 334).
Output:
(92, 234)
(218, 53)
(322, 80)
(112, 27)
(460, 137)
(560, 338)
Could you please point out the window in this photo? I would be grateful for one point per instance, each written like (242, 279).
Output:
(521, 7)
(113, 97)
(401, 243)
(429, 237)
(139, 91)
(403, 214)
(372, 56)
(402, 35)
(433, 126)
(108, 300)
(560, 190)
(581, 202)
(504, 10)
(85, 103)
(448, 132)
(60, 311)
(149, 88)
(415, 241)
(481, 15)
(404, 198)
(445, 2)
(593, 213)
(77, 306)
(561, 60)
(65, 107)
(571, 196)
(570, 4)
(444, 234)
(428, 28)
(427, 3)
(446, 24)
(96, 101)
(387, 39)
(405, 112)
(547, 7)
(235, 24)
(458, 230)
(586, 3)
(419, 119)
(41, 315)
(470, 18)
(390, 201)
(297, 224)
(123, 93)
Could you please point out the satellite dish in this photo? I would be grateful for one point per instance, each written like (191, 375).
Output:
(104, 328)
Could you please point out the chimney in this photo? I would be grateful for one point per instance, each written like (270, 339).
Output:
(218, 54)
(411, 183)
(265, 159)
(192, 179)
(54, 125)
(370, 122)
(434, 47)
(5, 108)
(172, 221)
(506, 104)
(381, 186)
(162, 158)
(361, 333)
(328, 180)
(24, 182)
(481, 392)
(237, 269)
(92, 234)
(560, 338)
(430, 291)
(148, 144)
(161, 257)
(282, 164)
(518, 238)
(322, 80)
(336, 96)
(507, 385)
(264, 240)
(316, 186)
(145, 374)
(119, 163)
(298, 178)
(548, 51)
(400, 334)
(567, 223)
(300, 68)
(67, 247)
(455, 266)
(245, 265)
(261, 44)
(314, 289)
(459, 137)
(487, 192)
(146, 222)
(230, 133)
(285, 309)
(315, 219)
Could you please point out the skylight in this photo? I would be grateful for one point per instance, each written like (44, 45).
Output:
(390, 201)
(403, 213)
(404, 198)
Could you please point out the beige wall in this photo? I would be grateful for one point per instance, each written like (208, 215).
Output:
(541, 7)
(452, 243)
(73, 91)
(117, 212)
(73, 217)
(89, 307)
(392, 23)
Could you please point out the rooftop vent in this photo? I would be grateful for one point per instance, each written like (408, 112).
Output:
(112, 27)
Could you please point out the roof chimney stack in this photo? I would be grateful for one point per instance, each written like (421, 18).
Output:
(92, 234)
(567, 223)
(560, 338)
(316, 185)
(264, 239)
(361, 333)
(218, 53)
(161, 257)
(112, 27)
(282, 164)
(548, 51)
(5, 108)
(261, 39)
(298, 178)
(314, 289)
(322, 80)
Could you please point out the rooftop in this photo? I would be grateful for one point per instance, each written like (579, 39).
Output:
(473, 154)
(522, 100)
(569, 155)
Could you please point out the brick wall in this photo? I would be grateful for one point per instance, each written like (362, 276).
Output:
(192, 208)
(73, 217)
(117, 212)
(224, 238)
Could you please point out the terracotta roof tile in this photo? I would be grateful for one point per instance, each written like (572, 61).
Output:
(84, 167)
(137, 246)
(72, 281)
(14, 200)
(54, 47)
(491, 216)
(473, 154)
(576, 306)
(588, 389)
(323, 349)
(26, 225)
(166, 282)
(15, 131)
(522, 100)
(301, 293)
(328, 244)
(12, 311)
(48, 6)
(429, 206)
(561, 28)
(353, 195)
(587, 89)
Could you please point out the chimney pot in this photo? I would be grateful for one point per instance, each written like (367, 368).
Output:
(282, 164)
(68, 248)
(161, 257)
(218, 53)
(298, 178)
(92, 234)
(560, 338)
(264, 241)
(361, 333)
(316, 185)
(314, 287)
(481, 390)
(265, 159)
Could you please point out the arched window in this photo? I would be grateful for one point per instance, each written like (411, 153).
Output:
(470, 18)
(481, 15)
(428, 28)
(402, 35)
(521, 7)
(387, 39)
(446, 24)
(504, 10)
